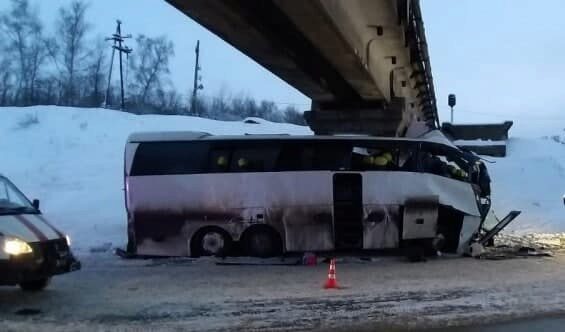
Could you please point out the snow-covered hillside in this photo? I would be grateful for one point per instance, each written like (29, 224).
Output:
(72, 160)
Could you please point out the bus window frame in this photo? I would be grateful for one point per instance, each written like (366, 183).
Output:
(429, 147)
(143, 170)
(234, 147)
(317, 160)
(396, 146)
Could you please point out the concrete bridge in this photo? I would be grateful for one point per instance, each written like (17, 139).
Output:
(364, 63)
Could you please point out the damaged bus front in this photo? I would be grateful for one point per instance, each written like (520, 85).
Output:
(196, 194)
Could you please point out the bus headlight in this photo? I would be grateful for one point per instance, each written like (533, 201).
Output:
(16, 247)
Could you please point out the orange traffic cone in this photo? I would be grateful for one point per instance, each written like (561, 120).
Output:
(331, 282)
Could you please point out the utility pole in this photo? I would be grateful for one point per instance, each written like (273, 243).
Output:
(197, 79)
(118, 40)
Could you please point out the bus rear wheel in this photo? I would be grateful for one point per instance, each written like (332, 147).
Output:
(211, 241)
(262, 242)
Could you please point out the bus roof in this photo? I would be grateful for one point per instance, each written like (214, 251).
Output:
(158, 136)
(170, 136)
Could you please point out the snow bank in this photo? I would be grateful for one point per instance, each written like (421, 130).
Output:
(72, 160)
(478, 142)
(532, 179)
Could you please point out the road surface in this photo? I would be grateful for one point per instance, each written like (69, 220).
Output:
(112, 293)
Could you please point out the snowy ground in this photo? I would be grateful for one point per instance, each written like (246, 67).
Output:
(73, 161)
(184, 294)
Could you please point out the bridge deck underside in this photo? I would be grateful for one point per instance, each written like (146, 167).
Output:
(350, 57)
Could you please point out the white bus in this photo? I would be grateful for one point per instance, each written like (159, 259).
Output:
(194, 194)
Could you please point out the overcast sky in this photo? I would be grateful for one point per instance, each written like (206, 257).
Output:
(503, 58)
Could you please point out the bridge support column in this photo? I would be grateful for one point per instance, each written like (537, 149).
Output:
(377, 121)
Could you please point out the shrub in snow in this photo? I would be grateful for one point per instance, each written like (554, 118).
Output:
(558, 139)
(251, 121)
(28, 120)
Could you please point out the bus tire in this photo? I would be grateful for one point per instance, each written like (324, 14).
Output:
(415, 253)
(211, 241)
(262, 241)
(35, 285)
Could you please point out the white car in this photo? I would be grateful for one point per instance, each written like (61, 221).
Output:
(31, 249)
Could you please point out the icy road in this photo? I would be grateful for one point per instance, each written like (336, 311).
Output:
(111, 293)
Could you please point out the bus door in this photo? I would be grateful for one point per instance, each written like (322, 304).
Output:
(348, 210)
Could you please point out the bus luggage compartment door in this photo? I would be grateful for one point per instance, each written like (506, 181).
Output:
(348, 210)
(420, 218)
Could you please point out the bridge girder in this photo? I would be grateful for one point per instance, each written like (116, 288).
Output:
(348, 56)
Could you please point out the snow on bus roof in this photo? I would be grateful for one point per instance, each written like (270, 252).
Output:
(434, 136)
(156, 136)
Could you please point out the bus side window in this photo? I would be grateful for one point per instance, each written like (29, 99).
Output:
(407, 160)
(332, 157)
(164, 158)
(254, 160)
(375, 158)
(220, 160)
(445, 163)
(295, 157)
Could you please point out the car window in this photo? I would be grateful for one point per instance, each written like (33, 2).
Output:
(11, 197)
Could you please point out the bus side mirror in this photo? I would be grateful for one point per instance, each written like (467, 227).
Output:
(35, 204)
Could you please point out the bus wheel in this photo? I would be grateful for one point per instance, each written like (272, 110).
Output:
(211, 241)
(415, 253)
(262, 241)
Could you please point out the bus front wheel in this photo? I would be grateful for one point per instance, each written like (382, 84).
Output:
(262, 241)
(211, 241)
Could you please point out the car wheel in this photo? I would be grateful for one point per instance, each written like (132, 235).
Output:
(211, 241)
(262, 242)
(35, 285)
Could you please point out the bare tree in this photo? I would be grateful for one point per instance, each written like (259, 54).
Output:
(22, 32)
(269, 110)
(95, 73)
(150, 65)
(5, 76)
(5, 81)
(220, 106)
(292, 115)
(71, 27)
(49, 90)
(169, 102)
